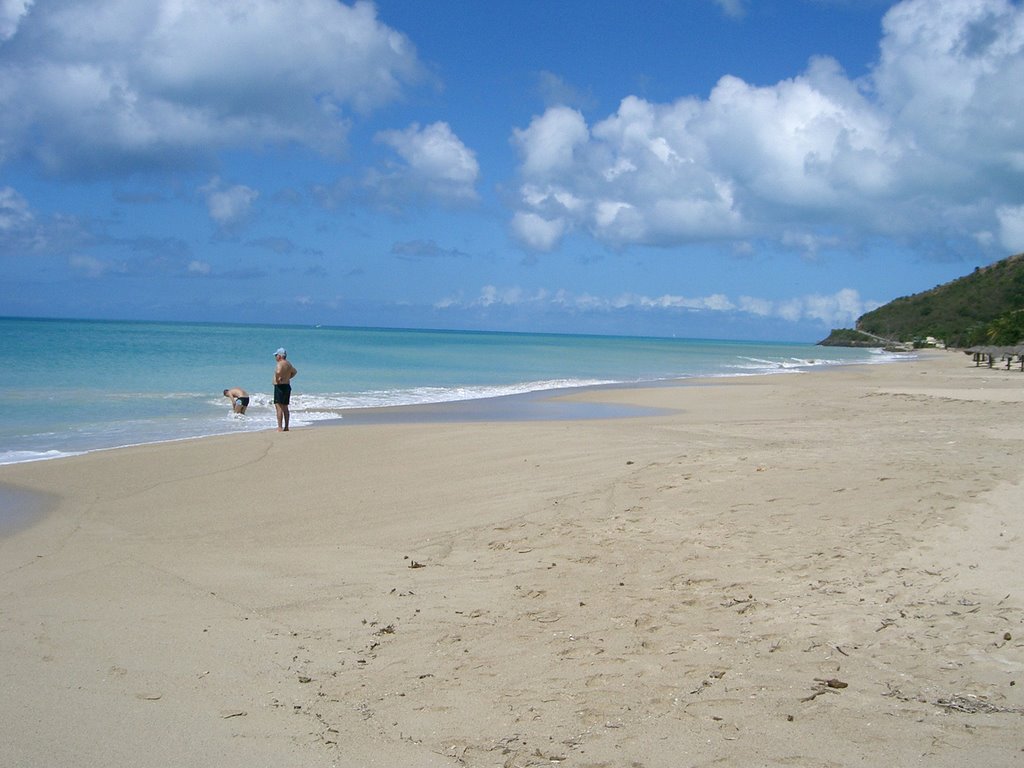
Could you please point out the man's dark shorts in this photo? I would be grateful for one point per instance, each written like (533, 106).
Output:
(282, 394)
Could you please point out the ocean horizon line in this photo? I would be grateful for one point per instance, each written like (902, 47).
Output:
(408, 329)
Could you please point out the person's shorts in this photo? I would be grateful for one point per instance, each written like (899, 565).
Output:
(242, 402)
(282, 394)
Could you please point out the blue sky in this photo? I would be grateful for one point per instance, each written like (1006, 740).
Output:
(752, 169)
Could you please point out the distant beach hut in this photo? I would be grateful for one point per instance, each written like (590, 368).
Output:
(989, 354)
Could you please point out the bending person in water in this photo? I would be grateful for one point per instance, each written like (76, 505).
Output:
(239, 399)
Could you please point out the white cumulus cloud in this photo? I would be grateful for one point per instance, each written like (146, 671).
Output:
(436, 163)
(927, 144)
(1011, 228)
(11, 12)
(536, 232)
(228, 205)
(108, 85)
(15, 214)
(548, 145)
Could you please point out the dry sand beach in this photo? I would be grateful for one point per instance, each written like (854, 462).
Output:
(799, 570)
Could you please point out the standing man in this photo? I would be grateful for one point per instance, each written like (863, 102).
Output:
(283, 375)
(239, 399)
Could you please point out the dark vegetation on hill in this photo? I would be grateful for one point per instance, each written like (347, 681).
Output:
(985, 307)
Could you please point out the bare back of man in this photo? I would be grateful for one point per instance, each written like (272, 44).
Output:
(239, 399)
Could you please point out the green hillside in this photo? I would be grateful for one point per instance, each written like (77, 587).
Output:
(984, 307)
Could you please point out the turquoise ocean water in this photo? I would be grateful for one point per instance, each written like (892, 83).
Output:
(74, 386)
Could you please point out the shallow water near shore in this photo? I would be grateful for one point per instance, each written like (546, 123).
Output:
(90, 385)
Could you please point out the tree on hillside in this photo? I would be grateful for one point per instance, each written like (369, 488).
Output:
(1006, 330)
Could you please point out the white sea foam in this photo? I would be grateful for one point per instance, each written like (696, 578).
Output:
(20, 457)
(331, 403)
(760, 365)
